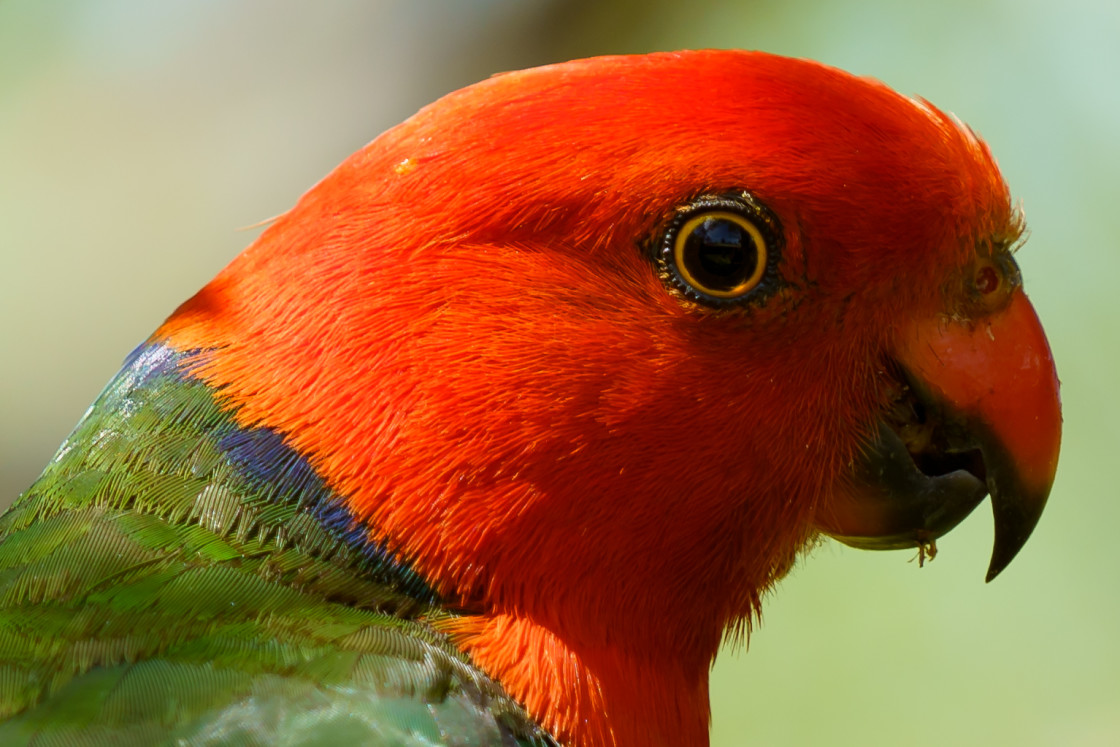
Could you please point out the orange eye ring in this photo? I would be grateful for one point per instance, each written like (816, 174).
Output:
(720, 254)
(722, 250)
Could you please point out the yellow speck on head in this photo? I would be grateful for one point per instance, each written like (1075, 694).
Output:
(406, 167)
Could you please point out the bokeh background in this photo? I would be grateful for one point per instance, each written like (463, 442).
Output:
(138, 139)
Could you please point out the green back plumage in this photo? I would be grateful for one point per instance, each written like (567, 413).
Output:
(174, 577)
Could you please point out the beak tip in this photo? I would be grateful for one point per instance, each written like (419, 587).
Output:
(995, 567)
(1002, 555)
(1015, 521)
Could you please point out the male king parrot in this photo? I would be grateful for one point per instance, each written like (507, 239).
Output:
(496, 433)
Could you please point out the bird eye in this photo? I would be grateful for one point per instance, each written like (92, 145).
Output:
(720, 254)
(719, 250)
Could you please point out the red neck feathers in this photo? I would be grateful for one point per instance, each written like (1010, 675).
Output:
(462, 329)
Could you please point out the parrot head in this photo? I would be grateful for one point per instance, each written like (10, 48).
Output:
(598, 348)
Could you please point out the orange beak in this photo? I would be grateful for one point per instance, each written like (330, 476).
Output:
(987, 395)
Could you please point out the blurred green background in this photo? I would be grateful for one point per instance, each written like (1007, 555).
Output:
(137, 138)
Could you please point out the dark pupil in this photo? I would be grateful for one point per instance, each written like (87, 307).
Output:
(720, 254)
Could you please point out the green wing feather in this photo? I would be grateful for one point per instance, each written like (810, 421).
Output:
(157, 585)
